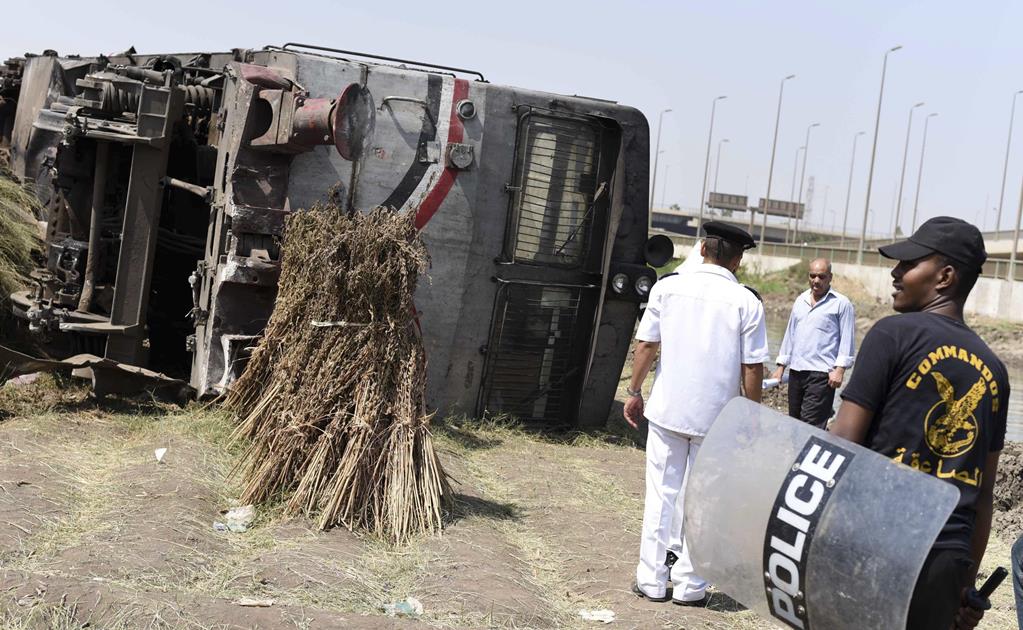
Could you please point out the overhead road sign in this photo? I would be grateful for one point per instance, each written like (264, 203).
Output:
(724, 201)
(779, 208)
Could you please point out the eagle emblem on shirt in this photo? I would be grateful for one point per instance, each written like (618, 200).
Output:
(950, 426)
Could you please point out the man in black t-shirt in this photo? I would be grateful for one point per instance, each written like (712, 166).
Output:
(929, 393)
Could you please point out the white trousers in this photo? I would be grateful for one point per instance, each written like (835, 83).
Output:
(669, 456)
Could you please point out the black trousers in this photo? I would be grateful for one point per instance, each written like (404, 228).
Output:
(938, 590)
(810, 398)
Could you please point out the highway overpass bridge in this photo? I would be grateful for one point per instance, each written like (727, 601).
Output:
(778, 228)
(994, 295)
(827, 243)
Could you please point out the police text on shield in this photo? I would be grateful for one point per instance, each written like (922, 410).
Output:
(801, 500)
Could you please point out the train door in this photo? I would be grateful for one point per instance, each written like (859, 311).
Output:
(549, 274)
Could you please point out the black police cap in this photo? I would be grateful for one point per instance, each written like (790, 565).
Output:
(730, 233)
(948, 236)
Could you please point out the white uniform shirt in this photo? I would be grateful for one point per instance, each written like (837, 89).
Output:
(708, 324)
(819, 337)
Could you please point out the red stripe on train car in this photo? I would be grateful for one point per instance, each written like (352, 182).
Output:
(440, 190)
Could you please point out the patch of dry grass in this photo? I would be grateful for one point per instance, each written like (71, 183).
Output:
(596, 487)
(138, 615)
(539, 549)
(1003, 606)
(51, 616)
(19, 236)
(84, 470)
(48, 392)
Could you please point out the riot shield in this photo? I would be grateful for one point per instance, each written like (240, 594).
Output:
(805, 528)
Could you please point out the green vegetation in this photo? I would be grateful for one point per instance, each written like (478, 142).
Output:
(784, 282)
(787, 282)
(668, 268)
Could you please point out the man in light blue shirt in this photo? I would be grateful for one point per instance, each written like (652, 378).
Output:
(818, 347)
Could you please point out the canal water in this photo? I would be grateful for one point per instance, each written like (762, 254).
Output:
(1014, 430)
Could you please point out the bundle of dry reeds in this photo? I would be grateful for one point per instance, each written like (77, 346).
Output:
(18, 235)
(332, 400)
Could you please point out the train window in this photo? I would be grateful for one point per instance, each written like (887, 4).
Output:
(553, 210)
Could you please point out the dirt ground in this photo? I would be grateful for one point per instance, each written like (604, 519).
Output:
(1008, 521)
(95, 533)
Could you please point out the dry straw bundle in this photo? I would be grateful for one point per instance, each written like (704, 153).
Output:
(332, 400)
(18, 235)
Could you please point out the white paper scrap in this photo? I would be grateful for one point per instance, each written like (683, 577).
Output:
(603, 615)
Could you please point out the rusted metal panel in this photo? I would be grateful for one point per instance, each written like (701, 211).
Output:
(159, 109)
(107, 376)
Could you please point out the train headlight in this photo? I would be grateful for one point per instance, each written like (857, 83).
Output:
(619, 282)
(643, 284)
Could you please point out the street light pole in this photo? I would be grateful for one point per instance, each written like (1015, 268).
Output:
(795, 171)
(770, 170)
(848, 190)
(792, 193)
(1005, 169)
(1015, 239)
(706, 163)
(920, 173)
(902, 177)
(873, 155)
(653, 184)
(802, 178)
(717, 166)
(664, 186)
(981, 217)
(824, 207)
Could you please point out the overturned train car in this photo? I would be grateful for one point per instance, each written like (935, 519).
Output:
(168, 178)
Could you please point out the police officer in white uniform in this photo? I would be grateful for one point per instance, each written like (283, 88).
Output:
(711, 335)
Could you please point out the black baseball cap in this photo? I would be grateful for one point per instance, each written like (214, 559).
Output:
(948, 236)
(729, 233)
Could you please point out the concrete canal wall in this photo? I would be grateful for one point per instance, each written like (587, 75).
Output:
(991, 297)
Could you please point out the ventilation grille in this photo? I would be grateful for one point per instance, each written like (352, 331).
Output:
(534, 370)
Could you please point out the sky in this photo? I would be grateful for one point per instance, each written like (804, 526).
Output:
(962, 59)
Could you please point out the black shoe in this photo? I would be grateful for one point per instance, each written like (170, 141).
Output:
(696, 603)
(670, 560)
(638, 591)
